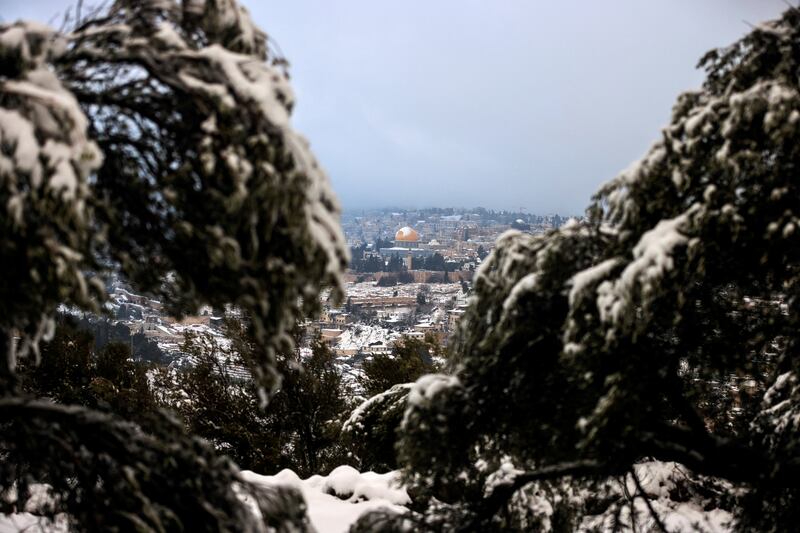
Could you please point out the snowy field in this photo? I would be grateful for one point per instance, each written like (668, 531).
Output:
(334, 501)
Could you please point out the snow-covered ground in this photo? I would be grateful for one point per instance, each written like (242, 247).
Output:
(30, 519)
(334, 501)
(27, 522)
(337, 500)
(173, 336)
(362, 336)
(659, 481)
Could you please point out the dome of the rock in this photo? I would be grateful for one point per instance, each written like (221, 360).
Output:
(406, 234)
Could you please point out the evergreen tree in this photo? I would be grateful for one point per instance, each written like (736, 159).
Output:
(220, 407)
(382, 243)
(410, 359)
(311, 407)
(373, 264)
(300, 427)
(435, 262)
(200, 192)
(74, 370)
(395, 264)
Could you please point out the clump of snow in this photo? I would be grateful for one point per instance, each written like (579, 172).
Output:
(652, 260)
(524, 286)
(590, 276)
(47, 156)
(428, 386)
(387, 487)
(504, 475)
(33, 515)
(658, 480)
(22, 522)
(341, 481)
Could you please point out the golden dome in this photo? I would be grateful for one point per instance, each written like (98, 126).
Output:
(406, 234)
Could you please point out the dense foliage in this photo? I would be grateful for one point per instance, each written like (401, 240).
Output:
(201, 192)
(299, 429)
(410, 359)
(73, 371)
(213, 396)
(153, 139)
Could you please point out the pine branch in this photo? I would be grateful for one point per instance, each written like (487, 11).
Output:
(643, 495)
(502, 493)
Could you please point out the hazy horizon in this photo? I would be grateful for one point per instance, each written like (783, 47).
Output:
(501, 105)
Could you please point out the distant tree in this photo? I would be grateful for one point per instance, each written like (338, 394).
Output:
(311, 406)
(382, 243)
(221, 408)
(373, 264)
(410, 359)
(387, 281)
(357, 264)
(435, 262)
(395, 264)
(421, 298)
(105, 331)
(298, 430)
(66, 368)
(146, 350)
(357, 257)
(74, 371)
(481, 252)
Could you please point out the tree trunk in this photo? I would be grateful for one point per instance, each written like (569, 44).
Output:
(8, 378)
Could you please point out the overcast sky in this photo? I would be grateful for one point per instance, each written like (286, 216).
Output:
(495, 103)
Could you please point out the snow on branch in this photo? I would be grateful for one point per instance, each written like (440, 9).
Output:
(193, 109)
(45, 161)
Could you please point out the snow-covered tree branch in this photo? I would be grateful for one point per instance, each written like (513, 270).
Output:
(154, 140)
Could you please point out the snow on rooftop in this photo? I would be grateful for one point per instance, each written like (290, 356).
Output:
(363, 336)
(438, 292)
